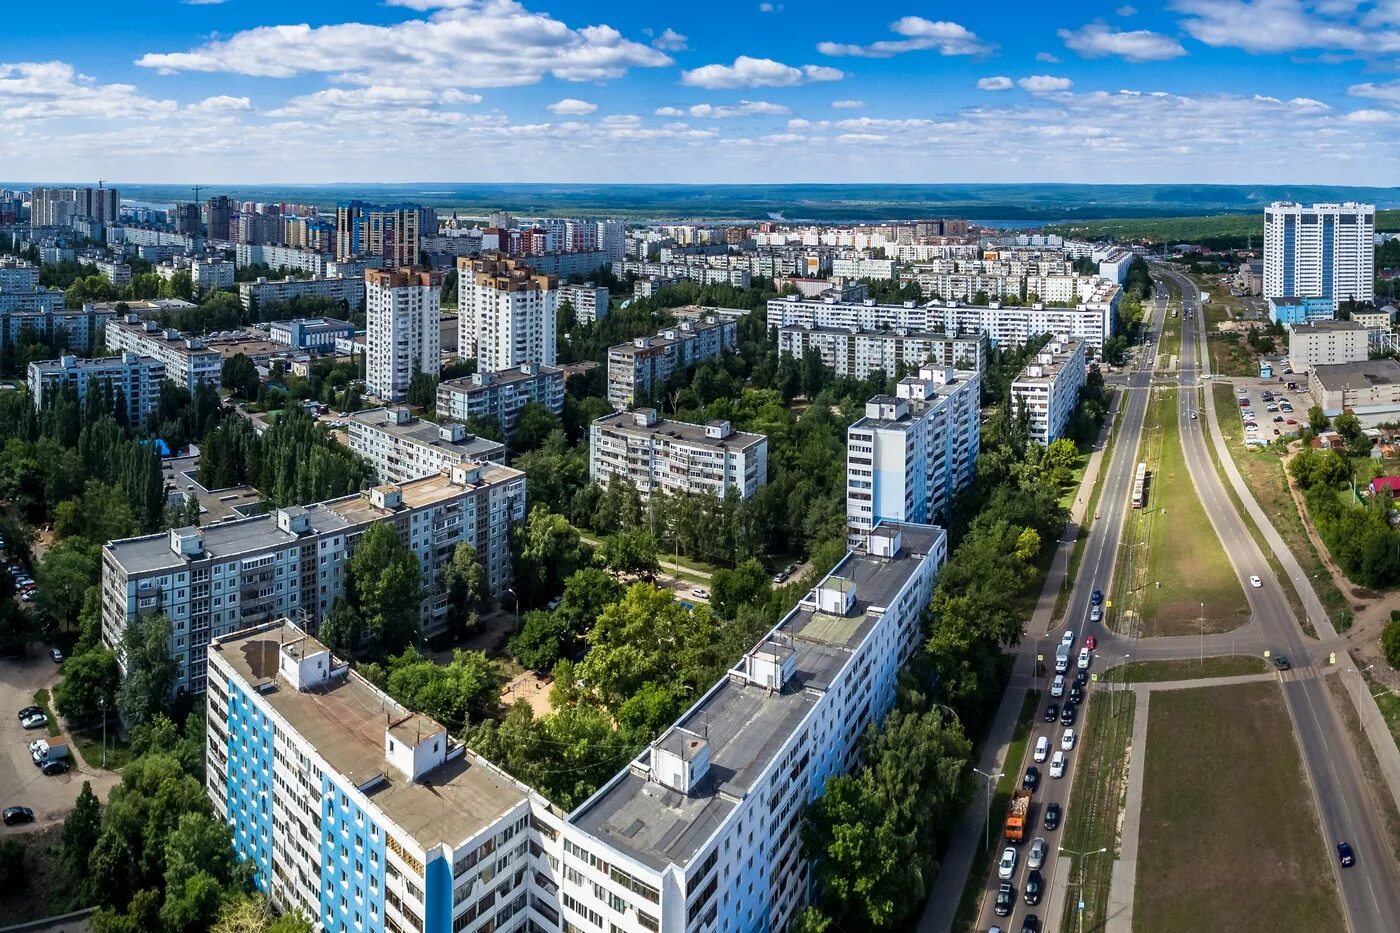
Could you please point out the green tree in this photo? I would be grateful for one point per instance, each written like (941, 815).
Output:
(150, 670)
(533, 424)
(422, 390)
(549, 550)
(544, 639)
(81, 829)
(89, 686)
(1317, 420)
(465, 581)
(64, 578)
(465, 690)
(1390, 644)
(631, 552)
(240, 375)
(384, 582)
(730, 590)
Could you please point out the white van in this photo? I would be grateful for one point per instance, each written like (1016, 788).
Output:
(1062, 659)
(1042, 749)
(1057, 689)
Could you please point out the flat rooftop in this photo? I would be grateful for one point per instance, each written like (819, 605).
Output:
(659, 340)
(500, 377)
(1363, 374)
(746, 725)
(425, 433)
(622, 422)
(1325, 326)
(345, 720)
(1051, 370)
(888, 333)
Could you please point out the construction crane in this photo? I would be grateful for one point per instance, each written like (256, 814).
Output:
(196, 193)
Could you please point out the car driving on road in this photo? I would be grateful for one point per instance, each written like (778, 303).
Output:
(1255, 582)
(1007, 866)
(1345, 855)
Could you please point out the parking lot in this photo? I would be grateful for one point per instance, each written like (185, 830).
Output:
(1270, 410)
(21, 783)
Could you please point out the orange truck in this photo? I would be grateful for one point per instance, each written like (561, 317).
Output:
(1018, 816)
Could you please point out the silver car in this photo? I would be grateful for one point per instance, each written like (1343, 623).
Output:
(1035, 858)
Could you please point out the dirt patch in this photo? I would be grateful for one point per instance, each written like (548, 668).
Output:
(531, 687)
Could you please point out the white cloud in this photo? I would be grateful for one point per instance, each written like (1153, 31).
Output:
(376, 98)
(1388, 91)
(919, 34)
(994, 83)
(465, 43)
(1292, 25)
(571, 106)
(201, 2)
(745, 108)
(54, 90)
(1126, 10)
(1371, 116)
(1047, 57)
(1096, 40)
(221, 103)
(668, 112)
(1044, 84)
(847, 104)
(770, 8)
(757, 72)
(670, 41)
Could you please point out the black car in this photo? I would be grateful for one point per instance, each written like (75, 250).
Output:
(1081, 678)
(1345, 855)
(29, 711)
(1035, 887)
(1031, 781)
(1052, 817)
(1031, 924)
(1051, 712)
(16, 815)
(1006, 899)
(1076, 694)
(1067, 715)
(55, 767)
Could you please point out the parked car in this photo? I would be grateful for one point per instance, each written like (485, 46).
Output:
(17, 815)
(51, 768)
(37, 721)
(1057, 765)
(29, 711)
(56, 656)
(700, 592)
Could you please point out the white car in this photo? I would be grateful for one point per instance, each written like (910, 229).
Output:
(39, 745)
(700, 592)
(1042, 749)
(1057, 687)
(1036, 856)
(1095, 613)
(1084, 657)
(1067, 639)
(1067, 741)
(1255, 582)
(37, 721)
(1007, 866)
(1057, 765)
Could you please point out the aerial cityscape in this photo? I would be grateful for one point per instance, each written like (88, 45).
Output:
(479, 466)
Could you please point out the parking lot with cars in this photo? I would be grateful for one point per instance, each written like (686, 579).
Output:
(23, 783)
(1270, 411)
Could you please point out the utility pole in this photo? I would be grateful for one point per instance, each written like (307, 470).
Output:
(104, 732)
(990, 778)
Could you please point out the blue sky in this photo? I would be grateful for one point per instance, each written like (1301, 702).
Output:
(730, 91)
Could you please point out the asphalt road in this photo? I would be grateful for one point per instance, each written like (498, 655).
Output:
(1371, 889)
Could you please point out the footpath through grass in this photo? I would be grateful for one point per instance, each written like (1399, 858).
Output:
(1100, 786)
(1230, 665)
(1187, 574)
(970, 901)
(1229, 851)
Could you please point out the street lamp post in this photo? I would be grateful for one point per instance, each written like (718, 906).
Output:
(1203, 633)
(515, 598)
(1083, 857)
(990, 778)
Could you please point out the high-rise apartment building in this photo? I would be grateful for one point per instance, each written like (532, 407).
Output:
(187, 361)
(858, 354)
(188, 220)
(589, 301)
(676, 456)
(1320, 251)
(392, 233)
(131, 380)
(914, 450)
(58, 207)
(1049, 388)
(506, 312)
(217, 212)
(402, 337)
(231, 575)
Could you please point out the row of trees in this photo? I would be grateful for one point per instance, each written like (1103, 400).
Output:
(294, 461)
(1361, 538)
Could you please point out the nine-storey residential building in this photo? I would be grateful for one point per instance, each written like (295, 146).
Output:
(1320, 251)
(1049, 387)
(133, 379)
(913, 451)
(506, 312)
(590, 302)
(400, 447)
(676, 456)
(636, 368)
(188, 362)
(401, 334)
(857, 354)
(292, 562)
(501, 395)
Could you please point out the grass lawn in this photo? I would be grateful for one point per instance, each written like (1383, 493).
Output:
(89, 743)
(41, 700)
(1077, 554)
(1186, 565)
(1389, 704)
(1263, 473)
(1236, 851)
(1100, 785)
(44, 890)
(1344, 699)
(1001, 800)
(1230, 665)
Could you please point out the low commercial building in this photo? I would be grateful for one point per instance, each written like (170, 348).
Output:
(676, 456)
(264, 292)
(317, 334)
(292, 562)
(590, 301)
(501, 395)
(913, 450)
(1049, 388)
(636, 368)
(1293, 310)
(861, 353)
(1326, 343)
(137, 378)
(400, 447)
(187, 360)
(1369, 389)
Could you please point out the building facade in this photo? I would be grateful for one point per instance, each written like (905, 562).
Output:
(676, 456)
(590, 302)
(1320, 251)
(293, 562)
(1326, 343)
(400, 447)
(349, 289)
(401, 329)
(1370, 389)
(390, 233)
(137, 378)
(636, 368)
(914, 450)
(187, 360)
(859, 354)
(501, 395)
(1049, 388)
(506, 312)
(1293, 310)
(317, 334)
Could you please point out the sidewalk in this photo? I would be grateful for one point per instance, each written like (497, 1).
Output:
(942, 907)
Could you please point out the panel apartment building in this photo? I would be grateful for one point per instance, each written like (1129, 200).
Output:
(1320, 251)
(501, 395)
(137, 378)
(636, 369)
(913, 451)
(235, 574)
(349, 289)
(676, 456)
(355, 809)
(590, 302)
(188, 362)
(506, 312)
(858, 354)
(1049, 386)
(400, 447)
(402, 334)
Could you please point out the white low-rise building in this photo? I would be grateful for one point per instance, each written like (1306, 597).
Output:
(858, 354)
(187, 360)
(137, 378)
(1049, 388)
(400, 447)
(676, 456)
(590, 302)
(1326, 343)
